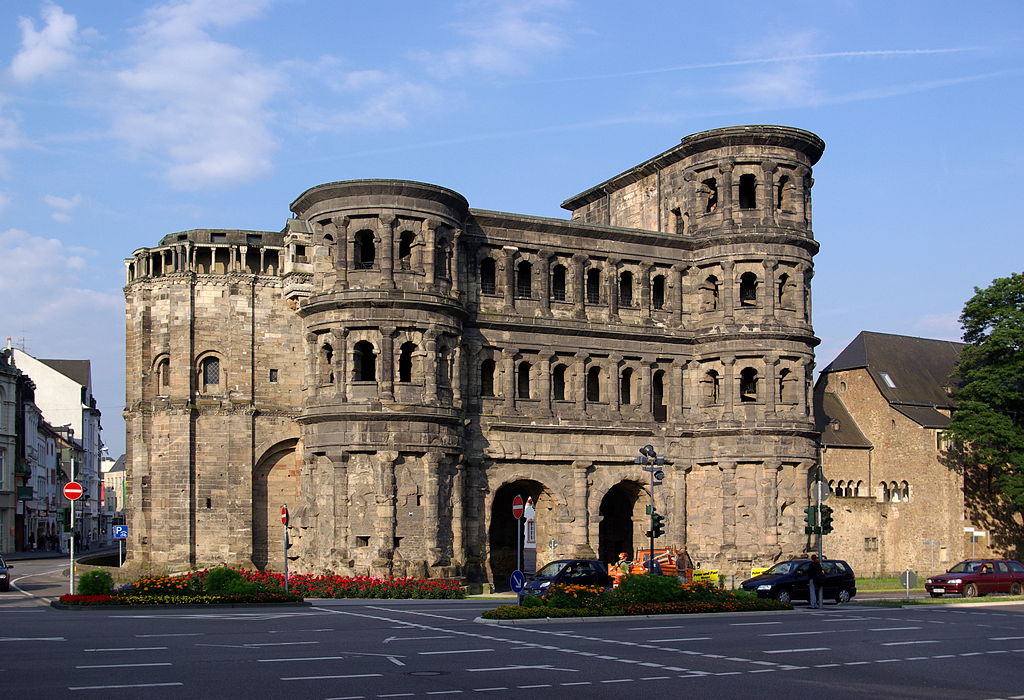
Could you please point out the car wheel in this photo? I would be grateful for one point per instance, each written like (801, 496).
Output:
(936, 595)
(1015, 589)
(970, 591)
(843, 596)
(784, 597)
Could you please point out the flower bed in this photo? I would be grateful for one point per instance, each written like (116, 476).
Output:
(179, 599)
(334, 586)
(637, 595)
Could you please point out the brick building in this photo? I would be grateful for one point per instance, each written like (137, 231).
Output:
(901, 497)
(396, 366)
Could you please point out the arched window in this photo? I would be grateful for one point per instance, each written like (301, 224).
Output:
(593, 286)
(894, 492)
(523, 380)
(783, 395)
(883, 492)
(558, 383)
(658, 292)
(558, 283)
(748, 385)
(712, 387)
(209, 374)
(658, 406)
(859, 489)
(626, 386)
(487, 378)
(442, 259)
(365, 250)
(748, 289)
(487, 276)
(710, 191)
(748, 191)
(364, 362)
(163, 376)
(326, 364)
(524, 282)
(594, 384)
(783, 286)
(626, 289)
(405, 359)
(405, 244)
(904, 491)
(709, 293)
(780, 192)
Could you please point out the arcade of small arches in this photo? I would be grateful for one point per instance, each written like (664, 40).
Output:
(885, 492)
(219, 257)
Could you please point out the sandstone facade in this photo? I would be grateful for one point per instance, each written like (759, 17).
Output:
(396, 366)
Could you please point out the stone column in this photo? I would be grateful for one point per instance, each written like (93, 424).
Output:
(342, 526)
(433, 464)
(769, 494)
(647, 389)
(805, 291)
(581, 381)
(684, 291)
(729, 386)
(386, 513)
(430, 251)
(677, 517)
(725, 192)
(690, 196)
(770, 362)
(768, 304)
(581, 514)
(508, 363)
(578, 268)
(728, 291)
(456, 263)
(680, 398)
(613, 287)
(339, 339)
(510, 278)
(386, 384)
(645, 291)
(765, 190)
(430, 368)
(311, 380)
(456, 378)
(387, 250)
(544, 390)
(728, 473)
(458, 513)
(614, 396)
(802, 183)
(544, 270)
(341, 246)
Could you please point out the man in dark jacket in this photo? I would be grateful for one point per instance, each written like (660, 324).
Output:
(816, 581)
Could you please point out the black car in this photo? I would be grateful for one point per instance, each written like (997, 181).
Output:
(788, 581)
(5, 575)
(581, 572)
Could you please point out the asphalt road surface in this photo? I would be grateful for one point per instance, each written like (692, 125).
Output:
(434, 649)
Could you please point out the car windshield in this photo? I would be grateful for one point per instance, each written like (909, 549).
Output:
(551, 570)
(783, 567)
(966, 567)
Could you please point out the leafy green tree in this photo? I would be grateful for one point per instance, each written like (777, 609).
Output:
(989, 420)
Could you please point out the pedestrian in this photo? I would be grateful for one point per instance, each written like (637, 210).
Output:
(816, 581)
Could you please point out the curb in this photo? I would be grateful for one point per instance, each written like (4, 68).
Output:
(613, 618)
(189, 606)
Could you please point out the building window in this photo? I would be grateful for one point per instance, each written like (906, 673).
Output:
(748, 289)
(658, 406)
(163, 376)
(364, 362)
(487, 276)
(748, 385)
(658, 292)
(887, 379)
(405, 361)
(594, 384)
(626, 289)
(273, 376)
(442, 259)
(405, 244)
(487, 378)
(748, 191)
(870, 544)
(709, 293)
(679, 221)
(593, 286)
(710, 192)
(784, 380)
(523, 380)
(558, 383)
(209, 373)
(780, 192)
(365, 250)
(326, 364)
(783, 286)
(712, 387)
(558, 283)
(524, 284)
(626, 387)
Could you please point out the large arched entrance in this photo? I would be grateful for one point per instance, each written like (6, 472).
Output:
(275, 481)
(620, 523)
(502, 533)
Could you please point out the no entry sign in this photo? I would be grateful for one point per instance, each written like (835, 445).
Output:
(73, 490)
(517, 507)
(284, 515)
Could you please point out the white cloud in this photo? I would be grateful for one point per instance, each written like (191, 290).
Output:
(783, 81)
(62, 205)
(505, 41)
(47, 50)
(198, 105)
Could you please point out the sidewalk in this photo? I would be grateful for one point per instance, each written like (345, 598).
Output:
(44, 554)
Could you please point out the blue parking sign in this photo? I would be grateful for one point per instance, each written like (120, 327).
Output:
(120, 532)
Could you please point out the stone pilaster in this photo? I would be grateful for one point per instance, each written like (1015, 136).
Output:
(580, 507)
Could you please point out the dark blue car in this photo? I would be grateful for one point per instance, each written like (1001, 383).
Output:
(580, 572)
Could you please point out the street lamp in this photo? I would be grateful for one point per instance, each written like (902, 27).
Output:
(652, 464)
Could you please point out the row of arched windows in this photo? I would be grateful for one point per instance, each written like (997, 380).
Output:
(364, 251)
(748, 291)
(208, 374)
(887, 492)
(364, 363)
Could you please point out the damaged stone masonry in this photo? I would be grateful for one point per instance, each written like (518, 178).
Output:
(396, 366)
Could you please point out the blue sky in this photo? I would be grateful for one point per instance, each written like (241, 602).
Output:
(122, 121)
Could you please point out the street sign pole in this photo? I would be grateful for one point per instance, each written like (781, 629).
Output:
(71, 548)
(284, 522)
(517, 513)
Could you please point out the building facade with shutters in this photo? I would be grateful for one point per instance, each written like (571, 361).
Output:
(396, 366)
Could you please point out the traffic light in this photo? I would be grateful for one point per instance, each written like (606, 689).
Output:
(657, 524)
(826, 520)
(811, 519)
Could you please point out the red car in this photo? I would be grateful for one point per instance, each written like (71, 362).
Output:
(977, 577)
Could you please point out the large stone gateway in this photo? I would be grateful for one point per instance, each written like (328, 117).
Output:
(396, 367)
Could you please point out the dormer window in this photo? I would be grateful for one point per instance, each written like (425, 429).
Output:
(887, 379)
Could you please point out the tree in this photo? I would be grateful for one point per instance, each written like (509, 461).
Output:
(989, 419)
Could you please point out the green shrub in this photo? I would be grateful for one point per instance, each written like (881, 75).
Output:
(573, 596)
(222, 581)
(645, 588)
(531, 601)
(95, 583)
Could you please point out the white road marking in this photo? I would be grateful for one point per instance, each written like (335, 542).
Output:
(132, 685)
(455, 651)
(794, 651)
(1004, 639)
(444, 692)
(278, 644)
(546, 667)
(180, 634)
(307, 658)
(405, 639)
(128, 649)
(410, 612)
(613, 680)
(891, 629)
(919, 641)
(161, 663)
(751, 624)
(32, 639)
(323, 678)
(795, 634)
(485, 690)
(680, 639)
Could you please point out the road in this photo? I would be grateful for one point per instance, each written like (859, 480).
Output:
(431, 649)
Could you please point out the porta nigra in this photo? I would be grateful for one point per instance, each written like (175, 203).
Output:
(396, 366)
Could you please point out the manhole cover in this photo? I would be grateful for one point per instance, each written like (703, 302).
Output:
(427, 673)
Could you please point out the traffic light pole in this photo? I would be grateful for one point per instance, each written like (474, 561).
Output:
(653, 466)
(821, 535)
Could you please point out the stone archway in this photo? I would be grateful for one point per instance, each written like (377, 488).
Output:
(620, 521)
(501, 561)
(275, 481)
